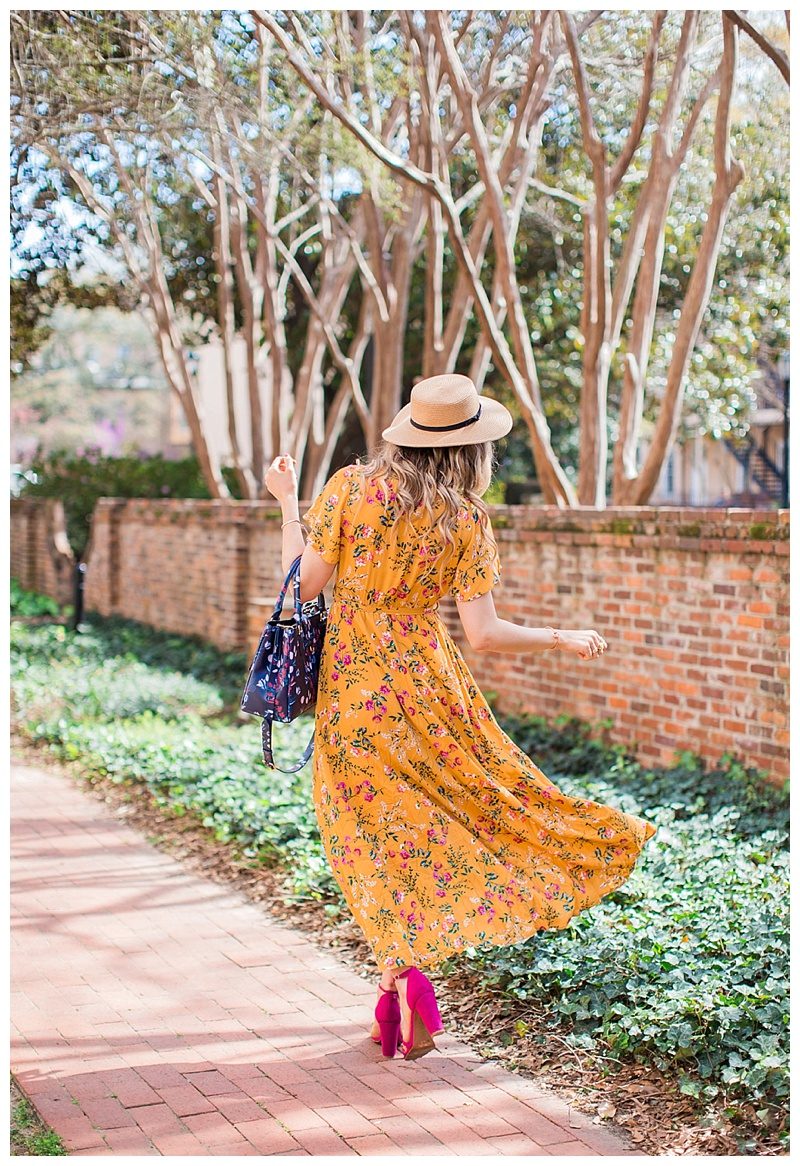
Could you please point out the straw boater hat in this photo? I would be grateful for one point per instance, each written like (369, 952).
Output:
(448, 410)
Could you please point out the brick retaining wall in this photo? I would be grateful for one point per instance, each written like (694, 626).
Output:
(180, 565)
(693, 603)
(41, 558)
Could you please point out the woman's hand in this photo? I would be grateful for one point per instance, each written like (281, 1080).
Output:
(588, 645)
(281, 479)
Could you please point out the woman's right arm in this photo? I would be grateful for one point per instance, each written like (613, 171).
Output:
(486, 632)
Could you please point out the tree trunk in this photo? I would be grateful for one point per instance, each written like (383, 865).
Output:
(728, 174)
(226, 323)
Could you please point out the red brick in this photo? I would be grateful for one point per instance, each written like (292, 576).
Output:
(322, 1141)
(214, 1130)
(387, 1085)
(605, 1141)
(242, 1075)
(129, 1141)
(158, 1075)
(319, 1095)
(185, 1099)
(87, 1087)
(211, 1083)
(485, 1122)
(380, 1103)
(407, 1132)
(454, 1133)
(179, 1143)
(267, 1136)
(296, 1115)
(722, 565)
(372, 1108)
(375, 1144)
(135, 1092)
(55, 1109)
(285, 1073)
(570, 1149)
(77, 1133)
(238, 1109)
(346, 1121)
(155, 1119)
(262, 1089)
(106, 1113)
(516, 1144)
(528, 1120)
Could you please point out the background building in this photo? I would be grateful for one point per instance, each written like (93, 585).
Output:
(750, 471)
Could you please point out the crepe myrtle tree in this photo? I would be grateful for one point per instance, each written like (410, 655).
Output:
(661, 118)
(282, 179)
(152, 114)
(162, 129)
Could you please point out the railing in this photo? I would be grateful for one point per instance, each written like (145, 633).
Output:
(758, 465)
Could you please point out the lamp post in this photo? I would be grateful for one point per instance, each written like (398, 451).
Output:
(80, 580)
(783, 373)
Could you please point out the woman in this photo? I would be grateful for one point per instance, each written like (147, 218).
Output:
(440, 831)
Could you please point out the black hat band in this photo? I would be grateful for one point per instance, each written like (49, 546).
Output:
(443, 428)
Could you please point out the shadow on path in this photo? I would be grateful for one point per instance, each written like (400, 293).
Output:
(155, 1012)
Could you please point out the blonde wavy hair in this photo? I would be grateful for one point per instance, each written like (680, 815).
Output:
(441, 478)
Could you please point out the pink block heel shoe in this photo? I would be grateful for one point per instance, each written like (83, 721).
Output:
(387, 1014)
(425, 1020)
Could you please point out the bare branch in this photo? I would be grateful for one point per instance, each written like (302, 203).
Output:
(557, 192)
(591, 139)
(343, 363)
(776, 55)
(634, 137)
(728, 173)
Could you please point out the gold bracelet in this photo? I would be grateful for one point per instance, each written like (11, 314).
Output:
(556, 638)
(288, 520)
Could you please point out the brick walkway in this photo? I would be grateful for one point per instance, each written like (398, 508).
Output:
(155, 1012)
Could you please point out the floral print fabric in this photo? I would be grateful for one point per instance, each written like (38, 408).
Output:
(440, 831)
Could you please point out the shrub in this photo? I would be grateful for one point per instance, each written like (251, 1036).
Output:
(27, 604)
(79, 480)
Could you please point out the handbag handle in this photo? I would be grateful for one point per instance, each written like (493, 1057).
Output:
(294, 570)
(266, 749)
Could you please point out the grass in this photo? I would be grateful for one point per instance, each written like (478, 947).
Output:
(30, 1136)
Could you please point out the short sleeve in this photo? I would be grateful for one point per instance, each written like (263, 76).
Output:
(478, 567)
(323, 519)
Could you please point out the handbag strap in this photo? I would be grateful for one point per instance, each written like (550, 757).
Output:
(294, 570)
(266, 747)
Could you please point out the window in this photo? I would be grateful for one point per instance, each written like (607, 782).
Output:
(670, 486)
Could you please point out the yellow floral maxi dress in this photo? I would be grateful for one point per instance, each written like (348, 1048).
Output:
(440, 831)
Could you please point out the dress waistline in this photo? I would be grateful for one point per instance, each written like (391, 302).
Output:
(390, 609)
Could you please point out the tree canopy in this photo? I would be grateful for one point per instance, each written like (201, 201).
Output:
(586, 213)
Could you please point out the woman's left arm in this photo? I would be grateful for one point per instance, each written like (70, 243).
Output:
(293, 540)
(281, 480)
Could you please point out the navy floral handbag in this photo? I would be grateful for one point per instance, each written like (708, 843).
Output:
(284, 675)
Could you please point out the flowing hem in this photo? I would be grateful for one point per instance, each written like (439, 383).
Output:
(522, 930)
